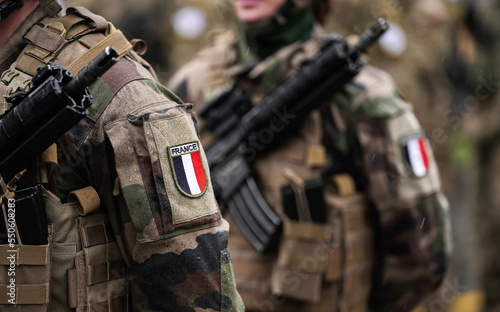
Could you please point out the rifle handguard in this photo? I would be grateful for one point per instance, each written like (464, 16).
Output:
(55, 103)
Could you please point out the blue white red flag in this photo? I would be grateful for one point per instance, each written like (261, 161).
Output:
(415, 153)
(188, 169)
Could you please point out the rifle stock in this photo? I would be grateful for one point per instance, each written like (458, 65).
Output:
(315, 83)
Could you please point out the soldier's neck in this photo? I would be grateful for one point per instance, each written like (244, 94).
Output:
(266, 40)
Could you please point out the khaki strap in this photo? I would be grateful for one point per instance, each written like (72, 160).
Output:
(49, 156)
(113, 305)
(332, 265)
(345, 184)
(87, 198)
(316, 156)
(359, 246)
(47, 37)
(297, 184)
(72, 278)
(115, 40)
(76, 22)
(334, 271)
(307, 263)
(293, 177)
(25, 294)
(105, 272)
(100, 22)
(308, 289)
(96, 235)
(140, 46)
(24, 255)
(306, 230)
(357, 277)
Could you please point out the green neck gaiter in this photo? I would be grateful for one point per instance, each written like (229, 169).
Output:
(265, 41)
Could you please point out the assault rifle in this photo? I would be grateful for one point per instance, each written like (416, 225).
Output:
(235, 123)
(55, 103)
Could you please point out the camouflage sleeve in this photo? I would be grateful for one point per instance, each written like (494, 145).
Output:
(404, 186)
(148, 166)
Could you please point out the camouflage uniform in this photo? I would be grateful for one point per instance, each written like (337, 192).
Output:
(148, 246)
(374, 126)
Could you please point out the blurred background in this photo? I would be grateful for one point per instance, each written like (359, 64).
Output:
(443, 56)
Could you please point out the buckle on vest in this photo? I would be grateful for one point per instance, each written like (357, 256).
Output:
(9, 74)
(15, 79)
(57, 28)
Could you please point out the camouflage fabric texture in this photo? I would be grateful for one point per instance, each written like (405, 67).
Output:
(175, 245)
(377, 128)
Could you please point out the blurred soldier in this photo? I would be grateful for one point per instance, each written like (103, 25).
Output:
(382, 217)
(122, 235)
(478, 47)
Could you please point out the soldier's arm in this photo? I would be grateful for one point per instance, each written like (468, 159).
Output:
(148, 166)
(403, 184)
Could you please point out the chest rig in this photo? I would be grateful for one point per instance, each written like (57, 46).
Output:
(80, 267)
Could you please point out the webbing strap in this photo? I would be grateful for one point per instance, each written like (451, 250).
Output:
(49, 156)
(331, 264)
(115, 40)
(105, 272)
(306, 230)
(113, 305)
(345, 184)
(97, 234)
(316, 156)
(77, 19)
(298, 261)
(25, 294)
(87, 198)
(47, 37)
(72, 278)
(334, 271)
(24, 255)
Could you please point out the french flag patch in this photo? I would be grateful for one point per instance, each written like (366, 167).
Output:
(188, 169)
(415, 154)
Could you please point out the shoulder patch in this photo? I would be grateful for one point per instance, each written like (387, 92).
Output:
(414, 151)
(187, 168)
(184, 167)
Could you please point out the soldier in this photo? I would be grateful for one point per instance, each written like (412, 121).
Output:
(122, 235)
(378, 238)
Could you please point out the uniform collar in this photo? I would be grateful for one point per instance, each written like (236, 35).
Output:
(264, 41)
(254, 69)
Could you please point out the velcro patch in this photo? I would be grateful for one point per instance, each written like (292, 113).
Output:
(415, 154)
(188, 170)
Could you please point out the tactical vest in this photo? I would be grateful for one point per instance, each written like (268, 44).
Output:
(318, 266)
(81, 266)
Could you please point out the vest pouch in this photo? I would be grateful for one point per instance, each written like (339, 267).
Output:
(99, 280)
(25, 277)
(351, 214)
(305, 257)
